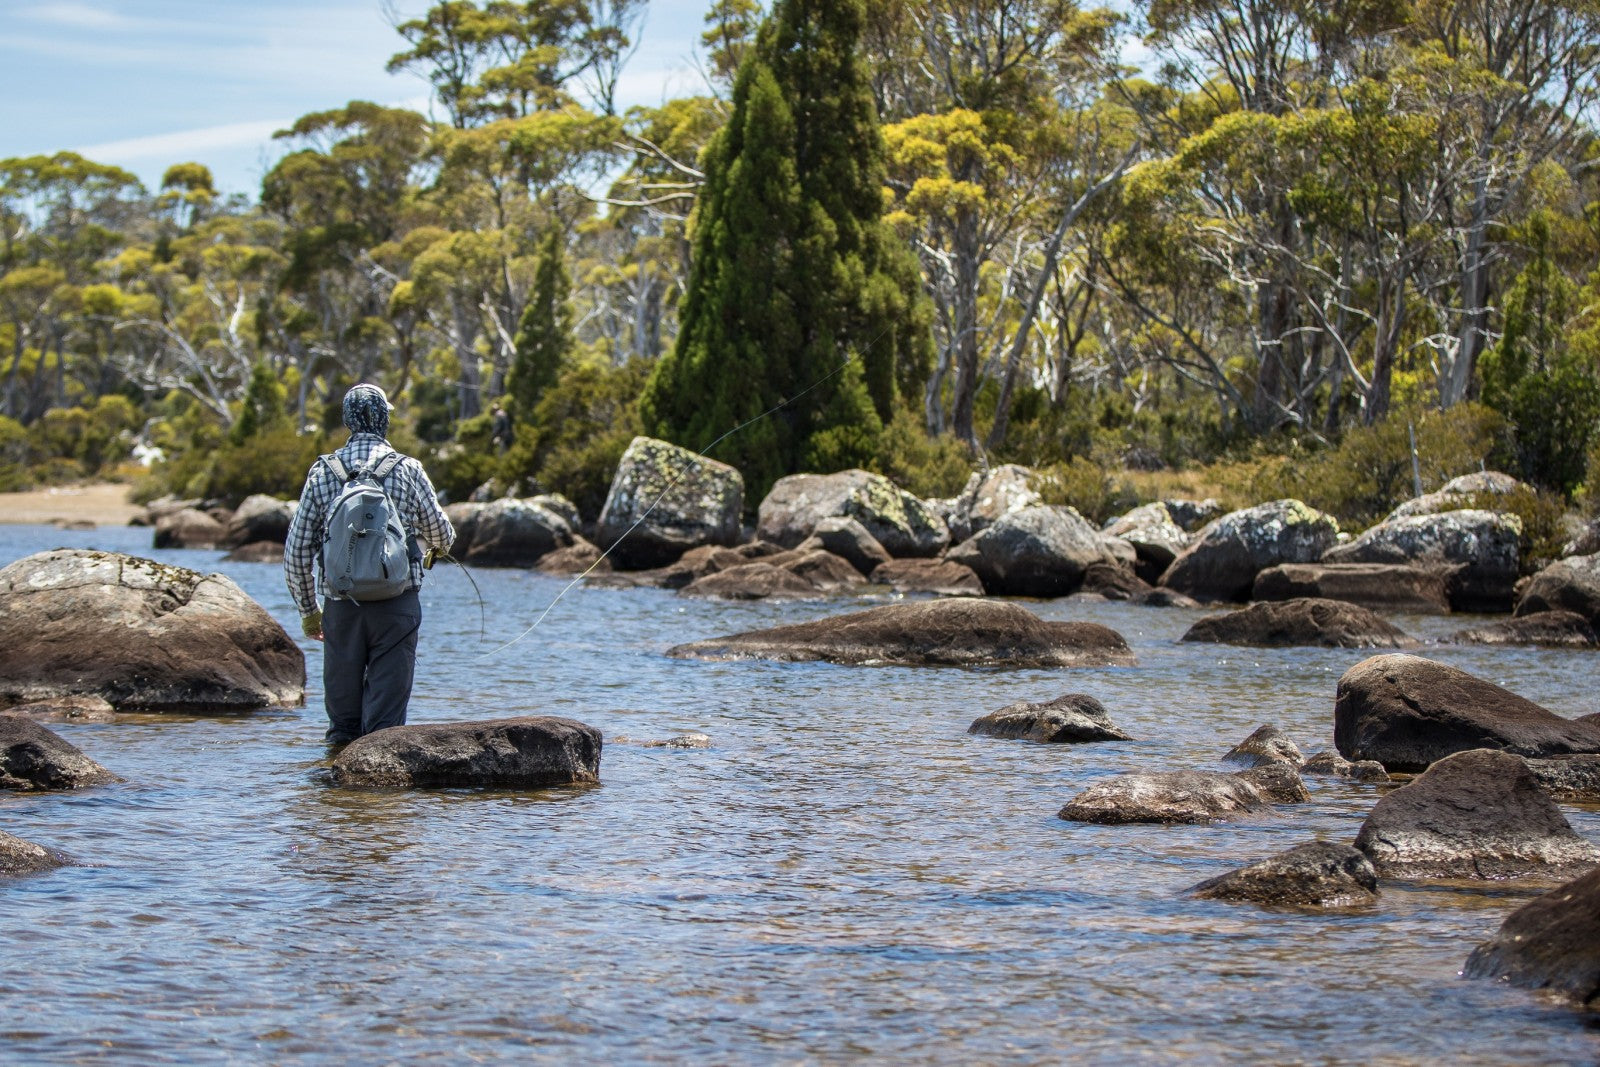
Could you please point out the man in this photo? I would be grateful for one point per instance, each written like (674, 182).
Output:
(370, 647)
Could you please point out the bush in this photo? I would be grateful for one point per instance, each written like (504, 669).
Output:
(1087, 486)
(922, 465)
(273, 462)
(1542, 533)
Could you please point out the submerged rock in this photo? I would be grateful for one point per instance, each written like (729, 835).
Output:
(33, 759)
(1306, 621)
(142, 635)
(527, 752)
(1320, 874)
(1333, 765)
(24, 857)
(67, 709)
(1267, 744)
(1071, 719)
(1192, 797)
(1406, 712)
(1225, 557)
(1477, 814)
(1549, 629)
(955, 632)
(1552, 942)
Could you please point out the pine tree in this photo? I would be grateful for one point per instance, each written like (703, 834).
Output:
(797, 285)
(544, 334)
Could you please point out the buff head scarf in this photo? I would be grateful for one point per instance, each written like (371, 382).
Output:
(366, 410)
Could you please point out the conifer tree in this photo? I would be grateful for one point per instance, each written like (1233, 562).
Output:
(797, 285)
(544, 334)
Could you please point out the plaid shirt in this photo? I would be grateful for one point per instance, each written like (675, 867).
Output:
(408, 486)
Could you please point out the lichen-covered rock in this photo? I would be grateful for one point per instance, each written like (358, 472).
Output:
(526, 752)
(1332, 765)
(1320, 874)
(1407, 712)
(961, 632)
(189, 528)
(1039, 551)
(259, 518)
(1551, 943)
(1549, 629)
(1267, 744)
(1154, 535)
(1476, 814)
(1393, 587)
(665, 500)
(1568, 777)
(142, 635)
(1075, 718)
(67, 709)
(34, 759)
(1571, 584)
(986, 497)
(508, 532)
(1223, 560)
(1481, 548)
(940, 577)
(848, 539)
(1463, 492)
(898, 521)
(24, 857)
(1307, 621)
(1189, 797)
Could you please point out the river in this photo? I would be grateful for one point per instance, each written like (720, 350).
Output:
(845, 874)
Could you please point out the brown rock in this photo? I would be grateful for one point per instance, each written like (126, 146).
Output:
(527, 752)
(940, 577)
(33, 759)
(1306, 621)
(1071, 719)
(1552, 942)
(1549, 629)
(1191, 797)
(1393, 587)
(1320, 874)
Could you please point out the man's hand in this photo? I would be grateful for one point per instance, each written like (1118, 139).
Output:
(431, 557)
(312, 625)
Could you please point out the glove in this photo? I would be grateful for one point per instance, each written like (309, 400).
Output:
(430, 557)
(312, 625)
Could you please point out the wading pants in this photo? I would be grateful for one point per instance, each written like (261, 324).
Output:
(369, 652)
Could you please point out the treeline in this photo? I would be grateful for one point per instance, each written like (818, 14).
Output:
(898, 235)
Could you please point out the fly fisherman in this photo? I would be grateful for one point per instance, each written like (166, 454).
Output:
(367, 575)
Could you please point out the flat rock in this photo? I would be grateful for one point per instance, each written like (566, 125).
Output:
(1547, 629)
(1071, 719)
(142, 635)
(67, 709)
(1551, 943)
(665, 500)
(1191, 797)
(1222, 562)
(1306, 621)
(1267, 744)
(35, 759)
(757, 580)
(940, 577)
(526, 752)
(1477, 814)
(1393, 587)
(1320, 874)
(1332, 765)
(958, 632)
(1406, 712)
(24, 857)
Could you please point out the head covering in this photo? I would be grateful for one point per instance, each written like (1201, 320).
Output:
(366, 410)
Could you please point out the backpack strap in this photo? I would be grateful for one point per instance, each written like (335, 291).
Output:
(381, 469)
(337, 467)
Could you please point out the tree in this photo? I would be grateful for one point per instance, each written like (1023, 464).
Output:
(544, 336)
(799, 291)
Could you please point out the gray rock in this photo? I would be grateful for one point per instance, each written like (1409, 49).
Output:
(1071, 719)
(1191, 515)
(1225, 557)
(1550, 629)
(940, 577)
(1191, 797)
(1393, 587)
(1038, 551)
(1154, 534)
(1481, 547)
(1571, 584)
(259, 518)
(24, 857)
(1407, 712)
(508, 532)
(898, 521)
(1551, 943)
(1458, 493)
(1267, 744)
(665, 500)
(34, 759)
(1319, 874)
(189, 528)
(988, 495)
(527, 752)
(964, 632)
(1306, 621)
(1477, 814)
(847, 538)
(1568, 777)
(1332, 765)
(142, 635)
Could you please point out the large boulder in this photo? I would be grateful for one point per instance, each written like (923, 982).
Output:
(1305, 621)
(260, 518)
(987, 496)
(1191, 797)
(898, 521)
(1154, 534)
(1394, 587)
(1481, 548)
(1223, 560)
(34, 759)
(1075, 718)
(1571, 584)
(526, 752)
(1407, 712)
(940, 577)
(508, 532)
(1477, 814)
(143, 635)
(1549, 629)
(960, 632)
(24, 857)
(1551, 943)
(1320, 874)
(665, 500)
(189, 528)
(1464, 492)
(1040, 551)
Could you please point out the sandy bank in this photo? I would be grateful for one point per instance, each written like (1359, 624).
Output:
(104, 504)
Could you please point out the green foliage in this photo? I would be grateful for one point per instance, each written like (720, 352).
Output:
(264, 407)
(459, 467)
(13, 455)
(1543, 534)
(273, 461)
(1086, 485)
(582, 426)
(544, 336)
(919, 463)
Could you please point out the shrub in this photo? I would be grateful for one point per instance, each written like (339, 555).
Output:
(923, 465)
(1542, 533)
(1087, 486)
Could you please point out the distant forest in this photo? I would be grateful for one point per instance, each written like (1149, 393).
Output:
(1281, 247)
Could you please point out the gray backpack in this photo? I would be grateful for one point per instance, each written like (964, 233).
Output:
(366, 555)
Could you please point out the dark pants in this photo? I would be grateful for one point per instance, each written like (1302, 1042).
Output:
(369, 652)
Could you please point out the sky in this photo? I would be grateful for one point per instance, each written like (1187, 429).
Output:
(144, 84)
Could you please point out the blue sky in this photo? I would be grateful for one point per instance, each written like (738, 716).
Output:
(144, 84)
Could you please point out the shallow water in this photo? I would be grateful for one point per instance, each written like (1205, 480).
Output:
(844, 874)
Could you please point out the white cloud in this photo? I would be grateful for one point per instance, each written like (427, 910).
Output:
(185, 144)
